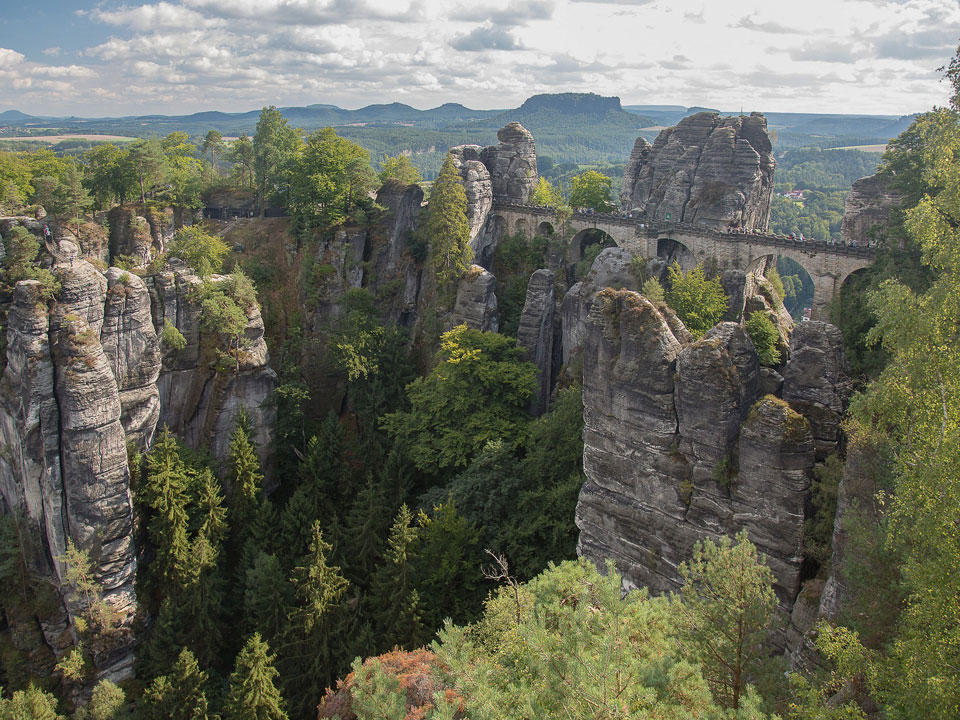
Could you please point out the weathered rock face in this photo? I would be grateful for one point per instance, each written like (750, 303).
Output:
(476, 304)
(506, 172)
(734, 284)
(707, 170)
(535, 334)
(512, 164)
(679, 446)
(816, 381)
(131, 235)
(477, 186)
(60, 415)
(868, 207)
(198, 402)
(396, 277)
(610, 269)
(82, 379)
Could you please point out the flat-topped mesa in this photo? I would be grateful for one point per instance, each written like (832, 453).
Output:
(867, 213)
(681, 445)
(708, 170)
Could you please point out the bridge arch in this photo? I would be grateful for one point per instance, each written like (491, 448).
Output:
(591, 236)
(522, 226)
(545, 229)
(670, 251)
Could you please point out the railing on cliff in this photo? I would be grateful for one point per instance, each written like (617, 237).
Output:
(664, 230)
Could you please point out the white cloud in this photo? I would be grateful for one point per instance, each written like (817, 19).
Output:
(163, 15)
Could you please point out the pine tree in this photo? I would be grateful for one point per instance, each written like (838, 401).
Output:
(253, 690)
(446, 227)
(164, 645)
(179, 695)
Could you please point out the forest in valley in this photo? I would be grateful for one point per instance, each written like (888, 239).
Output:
(408, 546)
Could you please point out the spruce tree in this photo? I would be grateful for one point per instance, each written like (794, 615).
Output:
(306, 654)
(266, 597)
(364, 531)
(245, 479)
(178, 695)
(253, 690)
(446, 227)
(393, 600)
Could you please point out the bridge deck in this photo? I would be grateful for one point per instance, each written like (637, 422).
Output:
(661, 229)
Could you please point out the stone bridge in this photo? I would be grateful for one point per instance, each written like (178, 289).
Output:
(828, 264)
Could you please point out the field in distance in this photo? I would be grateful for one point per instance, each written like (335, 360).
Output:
(54, 139)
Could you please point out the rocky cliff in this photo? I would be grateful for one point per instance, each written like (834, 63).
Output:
(85, 377)
(680, 445)
(505, 172)
(707, 170)
(867, 212)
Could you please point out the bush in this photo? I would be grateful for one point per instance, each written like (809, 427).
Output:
(172, 337)
(765, 338)
(653, 290)
(699, 302)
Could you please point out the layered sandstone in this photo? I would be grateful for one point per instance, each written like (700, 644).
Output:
(708, 170)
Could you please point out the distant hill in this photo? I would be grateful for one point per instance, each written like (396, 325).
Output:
(14, 116)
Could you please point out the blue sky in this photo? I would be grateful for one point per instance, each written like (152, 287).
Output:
(179, 56)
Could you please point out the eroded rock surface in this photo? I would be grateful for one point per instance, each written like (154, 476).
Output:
(867, 212)
(476, 304)
(680, 446)
(708, 170)
(477, 186)
(535, 333)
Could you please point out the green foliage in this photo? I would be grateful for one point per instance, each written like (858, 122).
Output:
(253, 690)
(148, 163)
(545, 194)
(329, 180)
(477, 393)
(20, 260)
(653, 290)
(200, 250)
(106, 703)
(180, 695)
(699, 302)
(30, 704)
(818, 529)
(765, 338)
(396, 602)
(274, 147)
(446, 228)
(591, 189)
(727, 607)
(400, 169)
(568, 645)
(172, 337)
(515, 259)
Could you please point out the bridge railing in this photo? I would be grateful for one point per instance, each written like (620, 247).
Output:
(652, 228)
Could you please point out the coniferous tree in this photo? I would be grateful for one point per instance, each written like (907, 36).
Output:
(246, 480)
(446, 227)
(179, 695)
(266, 597)
(306, 656)
(393, 600)
(253, 690)
(364, 531)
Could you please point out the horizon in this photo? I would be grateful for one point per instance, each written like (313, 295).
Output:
(178, 57)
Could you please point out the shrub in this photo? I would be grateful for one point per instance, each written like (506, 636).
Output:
(765, 338)
(653, 290)
(172, 337)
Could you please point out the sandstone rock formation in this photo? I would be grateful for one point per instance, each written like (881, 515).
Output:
(680, 444)
(198, 402)
(868, 207)
(610, 269)
(476, 304)
(816, 381)
(395, 275)
(84, 376)
(535, 334)
(476, 185)
(707, 170)
(506, 172)
(512, 164)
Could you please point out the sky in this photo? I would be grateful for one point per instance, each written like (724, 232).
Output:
(76, 57)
